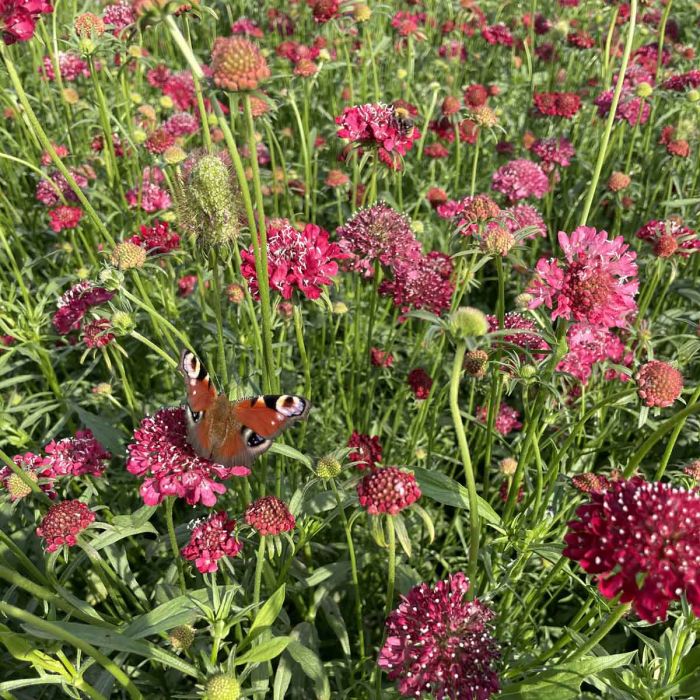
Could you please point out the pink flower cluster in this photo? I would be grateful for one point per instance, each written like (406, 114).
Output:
(63, 522)
(269, 515)
(47, 190)
(376, 125)
(160, 453)
(157, 239)
(149, 196)
(212, 539)
(506, 418)
(77, 456)
(520, 179)
(387, 490)
(36, 467)
(70, 65)
(591, 345)
(297, 260)
(18, 18)
(669, 237)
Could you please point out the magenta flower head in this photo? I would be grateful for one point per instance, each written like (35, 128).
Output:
(641, 540)
(77, 456)
(269, 516)
(439, 644)
(63, 522)
(161, 453)
(506, 418)
(18, 18)
(595, 283)
(302, 260)
(74, 304)
(387, 490)
(211, 540)
(366, 450)
(520, 179)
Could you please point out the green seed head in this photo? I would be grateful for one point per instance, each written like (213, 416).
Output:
(223, 687)
(328, 467)
(181, 637)
(468, 322)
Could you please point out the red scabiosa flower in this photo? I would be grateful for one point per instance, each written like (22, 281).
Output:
(557, 104)
(498, 34)
(381, 358)
(366, 450)
(641, 540)
(528, 338)
(387, 490)
(269, 516)
(580, 40)
(159, 141)
(681, 81)
(554, 151)
(237, 64)
(324, 10)
(18, 18)
(506, 419)
(181, 124)
(212, 539)
(186, 285)
(520, 179)
(65, 217)
(420, 382)
(378, 233)
(157, 239)
(160, 452)
(379, 126)
(96, 333)
(669, 237)
(63, 522)
(77, 456)
(659, 384)
(595, 283)
(471, 213)
(302, 260)
(74, 304)
(439, 644)
(36, 467)
(475, 95)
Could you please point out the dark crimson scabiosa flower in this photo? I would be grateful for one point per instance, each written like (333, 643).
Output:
(157, 239)
(324, 10)
(237, 64)
(63, 522)
(378, 233)
(590, 482)
(641, 540)
(159, 141)
(681, 81)
(212, 539)
(595, 283)
(77, 456)
(659, 384)
(554, 151)
(520, 179)
(475, 95)
(669, 237)
(420, 382)
(366, 450)
(379, 126)
(96, 333)
(439, 644)
(633, 109)
(498, 34)
(302, 260)
(161, 453)
(380, 358)
(65, 217)
(506, 419)
(74, 304)
(557, 104)
(580, 40)
(36, 467)
(387, 490)
(269, 516)
(18, 18)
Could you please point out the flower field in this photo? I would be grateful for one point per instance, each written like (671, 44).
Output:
(349, 349)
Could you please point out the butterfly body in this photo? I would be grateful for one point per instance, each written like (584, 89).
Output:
(233, 432)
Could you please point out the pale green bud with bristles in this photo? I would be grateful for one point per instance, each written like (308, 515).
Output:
(644, 90)
(123, 323)
(523, 301)
(328, 467)
(468, 322)
(181, 637)
(111, 279)
(222, 686)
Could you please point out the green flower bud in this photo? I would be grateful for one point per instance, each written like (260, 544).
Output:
(468, 322)
(644, 90)
(223, 687)
(111, 279)
(328, 467)
(123, 323)
(181, 637)
(528, 371)
(523, 301)
(693, 95)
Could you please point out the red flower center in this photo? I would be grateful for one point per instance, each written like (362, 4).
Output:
(589, 288)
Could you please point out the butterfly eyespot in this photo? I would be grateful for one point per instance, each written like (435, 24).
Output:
(254, 440)
(195, 416)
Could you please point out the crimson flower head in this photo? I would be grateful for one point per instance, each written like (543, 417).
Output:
(557, 104)
(63, 522)
(378, 125)
(157, 239)
(211, 540)
(641, 540)
(269, 516)
(324, 10)
(659, 384)
(77, 456)
(366, 452)
(387, 490)
(74, 304)
(18, 18)
(420, 382)
(506, 419)
(96, 333)
(64, 217)
(439, 644)
(669, 237)
(520, 179)
(302, 260)
(161, 453)
(595, 283)
(554, 151)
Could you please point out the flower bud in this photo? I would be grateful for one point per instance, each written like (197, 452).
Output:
(16, 486)
(475, 363)
(643, 90)
(362, 13)
(328, 467)
(123, 323)
(166, 102)
(466, 322)
(174, 155)
(507, 466)
(528, 371)
(523, 301)
(222, 686)
(127, 255)
(111, 279)
(340, 307)
(693, 95)
(181, 637)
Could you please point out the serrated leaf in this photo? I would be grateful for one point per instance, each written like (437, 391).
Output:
(264, 652)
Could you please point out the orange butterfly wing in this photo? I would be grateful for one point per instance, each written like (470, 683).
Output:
(268, 416)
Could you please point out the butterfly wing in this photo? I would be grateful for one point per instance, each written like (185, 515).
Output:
(202, 402)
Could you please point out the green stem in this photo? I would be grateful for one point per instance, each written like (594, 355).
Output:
(259, 563)
(614, 617)
(216, 292)
(475, 163)
(169, 503)
(674, 436)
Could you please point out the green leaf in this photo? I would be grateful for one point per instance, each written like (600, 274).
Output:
(265, 651)
(311, 665)
(688, 680)
(103, 430)
(439, 487)
(178, 611)
(402, 535)
(135, 519)
(288, 451)
(114, 534)
(334, 618)
(266, 615)
(563, 682)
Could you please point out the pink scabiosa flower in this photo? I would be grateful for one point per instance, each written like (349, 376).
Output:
(380, 126)
(595, 283)
(247, 27)
(96, 333)
(659, 384)
(472, 213)
(269, 516)
(64, 217)
(302, 260)
(237, 64)
(36, 467)
(439, 644)
(526, 219)
(63, 522)
(159, 141)
(557, 104)
(119, 15)
(186, 285)
(46, 190)
(633, 109)
(498, 34)
(74, 304)
(181, 124)
(160, 452)
(641, 540)
(420, 382)
(157, 239)
(77, 456)
(424, 282)
(212, 539)
(387, 490)
(554, 151)
(506, 419)
(669, 237)
(381, 358)
(588, 346)
(18, 18)
(520, 179)
(528, 338)
(366, 450)
(149, 196)
(70, 65)
(378, 233)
